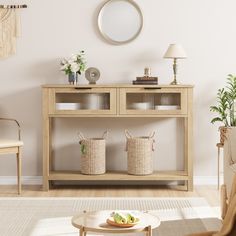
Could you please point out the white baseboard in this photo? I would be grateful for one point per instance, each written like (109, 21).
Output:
(207, 180)
(26, 180)
(37, 180)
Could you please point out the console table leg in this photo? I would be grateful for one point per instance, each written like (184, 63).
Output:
(188, 143)
(46, 139)
(190, 185)
(45, 185)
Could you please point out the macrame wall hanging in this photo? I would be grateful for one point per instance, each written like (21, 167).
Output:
(9, 29)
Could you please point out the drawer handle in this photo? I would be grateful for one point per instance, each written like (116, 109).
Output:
(83, 88)
(152, 88)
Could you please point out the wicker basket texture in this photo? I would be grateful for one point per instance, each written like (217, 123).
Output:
(140, 154)
(223, 131)
(93, 155)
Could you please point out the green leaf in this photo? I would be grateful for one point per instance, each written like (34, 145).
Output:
(216, 119)
(214, 109)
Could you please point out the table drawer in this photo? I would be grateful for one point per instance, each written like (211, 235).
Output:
(82, 100)
(153, 101)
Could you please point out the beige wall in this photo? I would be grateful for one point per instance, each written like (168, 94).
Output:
(55, 29)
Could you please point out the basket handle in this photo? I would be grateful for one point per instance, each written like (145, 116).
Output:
(105, 134)
(81, 136)
(126, 147)
(127, 134)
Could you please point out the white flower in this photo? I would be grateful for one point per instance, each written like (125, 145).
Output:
(73, 57)
(64, 61)
(65, 67)
(74, 67)
(70, 61)
(76, 63)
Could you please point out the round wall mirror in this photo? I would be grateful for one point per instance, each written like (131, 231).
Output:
(120, 21)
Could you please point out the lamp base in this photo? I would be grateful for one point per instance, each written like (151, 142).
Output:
(174, 82)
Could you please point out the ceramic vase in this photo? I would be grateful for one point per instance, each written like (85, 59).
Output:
(73, 78)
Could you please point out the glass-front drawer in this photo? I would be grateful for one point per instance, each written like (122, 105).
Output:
(151, 101)
(83, 100)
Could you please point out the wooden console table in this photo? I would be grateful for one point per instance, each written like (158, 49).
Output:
(118, 100)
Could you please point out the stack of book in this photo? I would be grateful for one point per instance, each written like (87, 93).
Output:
(146, 80)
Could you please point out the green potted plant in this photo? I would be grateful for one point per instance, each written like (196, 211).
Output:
(73, 66)
(226, 107)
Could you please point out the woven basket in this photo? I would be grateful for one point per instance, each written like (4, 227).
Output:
(93, 155)
(223, 131)
(140, 154)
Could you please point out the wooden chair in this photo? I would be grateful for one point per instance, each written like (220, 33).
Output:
(13, 146)
(225, 200)
(228, 214)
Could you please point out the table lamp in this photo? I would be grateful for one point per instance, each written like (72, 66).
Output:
(175, 51)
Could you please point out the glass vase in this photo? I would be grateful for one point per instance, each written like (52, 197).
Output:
(73, 78)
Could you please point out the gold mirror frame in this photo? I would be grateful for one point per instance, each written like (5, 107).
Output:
(105, 36)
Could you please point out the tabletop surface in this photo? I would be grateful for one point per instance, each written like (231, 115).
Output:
(117, 85)
(97, 221)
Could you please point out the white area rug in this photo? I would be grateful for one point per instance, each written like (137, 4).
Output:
(52, 216)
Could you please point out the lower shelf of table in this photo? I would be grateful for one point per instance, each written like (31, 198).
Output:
(119, 176)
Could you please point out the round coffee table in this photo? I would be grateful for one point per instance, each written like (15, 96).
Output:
(96, 222)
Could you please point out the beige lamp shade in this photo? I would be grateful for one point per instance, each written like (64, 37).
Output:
(175, 51)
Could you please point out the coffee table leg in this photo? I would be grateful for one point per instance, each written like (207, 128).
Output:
(82, 232)
(149, 232)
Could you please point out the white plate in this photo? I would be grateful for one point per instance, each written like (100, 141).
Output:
(167, 107)
(67, 106)
(140, 105)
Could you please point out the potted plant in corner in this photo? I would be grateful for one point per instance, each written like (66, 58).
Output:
(73, 66)
(226, 108)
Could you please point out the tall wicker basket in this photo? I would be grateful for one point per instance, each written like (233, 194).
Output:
(140, 154)
(93, 155)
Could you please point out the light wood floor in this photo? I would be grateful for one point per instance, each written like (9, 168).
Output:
(210, 193)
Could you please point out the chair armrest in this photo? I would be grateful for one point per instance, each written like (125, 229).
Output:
(18, 125)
